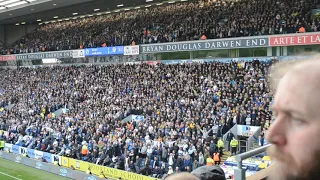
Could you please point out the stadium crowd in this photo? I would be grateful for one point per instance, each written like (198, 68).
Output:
(186, 108)
(208, 19)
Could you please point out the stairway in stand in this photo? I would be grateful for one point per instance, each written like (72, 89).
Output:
(225, 156)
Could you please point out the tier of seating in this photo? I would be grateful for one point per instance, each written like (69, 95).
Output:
(186, 109)
(193, 20)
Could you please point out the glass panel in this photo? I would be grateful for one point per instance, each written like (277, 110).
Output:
(175, 55)
(274, 51)
(253, 52)
(257, 52)
(222, 53)
(246, 53)
(296, 50)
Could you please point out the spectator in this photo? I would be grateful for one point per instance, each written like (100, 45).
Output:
(296, 119)
(172, 23)
(181, 105)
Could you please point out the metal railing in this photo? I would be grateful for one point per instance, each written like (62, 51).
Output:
(239, 173)
(247, 145)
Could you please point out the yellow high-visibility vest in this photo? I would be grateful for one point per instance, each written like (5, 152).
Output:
(210, 162)
(234, 143)
(2, 144)
(220, 144)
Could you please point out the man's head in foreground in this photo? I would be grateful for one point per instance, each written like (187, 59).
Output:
(296, 131)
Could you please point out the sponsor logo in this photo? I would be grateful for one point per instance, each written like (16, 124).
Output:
(47, 157)
(7, 58)
(38, 165)
(18, 159)
(131, 50)
(78, 53)
(15, 149)
(90, 178)
(56, 158)
(303, 39)
(38, 154)
(30, 152)
(23, 150)
(77, 164)
(63, 172)
(127, 50)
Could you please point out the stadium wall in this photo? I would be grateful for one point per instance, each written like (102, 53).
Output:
(14, 33)
(67, 164)
(50, 168)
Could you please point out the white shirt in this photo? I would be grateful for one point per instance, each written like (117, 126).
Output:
(170, 143)
(185, 147)
(248, 121)
(234, 119)
(149, 151)
(215, 129)
(170, 160)
(150, 129)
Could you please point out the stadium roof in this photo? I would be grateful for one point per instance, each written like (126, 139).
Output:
(40, 11)
(8, 4)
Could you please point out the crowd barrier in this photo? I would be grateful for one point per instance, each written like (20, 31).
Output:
(48, 167)
(72, 163)
(97, 169)
(76, 164)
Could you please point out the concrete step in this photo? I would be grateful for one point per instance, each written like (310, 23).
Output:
(225, 156)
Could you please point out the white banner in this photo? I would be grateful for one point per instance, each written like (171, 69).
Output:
(56, 158)
(243, 130)
(131, 50)
(7, 147)
(131, 63)
(137, 118)
(38, 154)
(78, 53)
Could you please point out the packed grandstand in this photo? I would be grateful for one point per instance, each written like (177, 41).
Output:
(186, 108)
(185, 21)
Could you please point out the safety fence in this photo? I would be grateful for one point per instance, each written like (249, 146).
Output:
(48, 167)
(78, 165)
(239, 172)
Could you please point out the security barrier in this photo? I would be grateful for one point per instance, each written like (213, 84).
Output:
(239, 173)
(97, 169)
(76, 164)
(48, 167)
